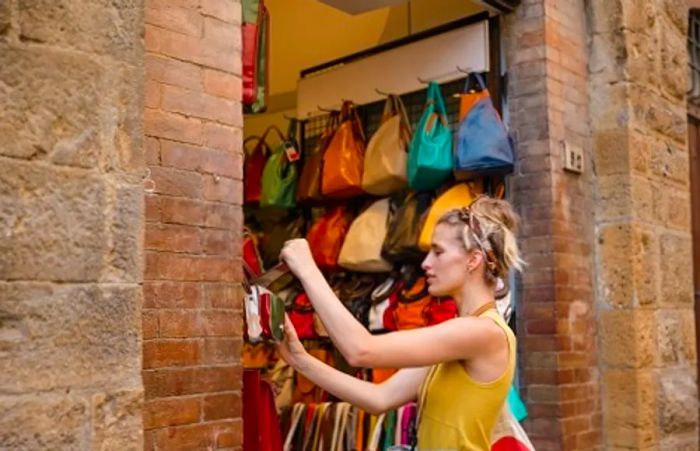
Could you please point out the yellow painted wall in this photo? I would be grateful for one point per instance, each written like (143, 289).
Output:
(305, 33)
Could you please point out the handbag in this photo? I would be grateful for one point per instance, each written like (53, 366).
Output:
(411, 310)
(253, 165)
(309, 185)
(441, 310)
(275, 234)
(343, 159)
(470, 97)
(279, 180)
(379, 303)
(508, 434)
(281, 377)
(250, 38)
(261, 423)
(326, 236)
(483, 144)
(262, 74)
(430, 151)
(251, 256)
(386, 156)
(264, 315)
(301, 314)
(403, 232)
(458, 196)
(362, 248)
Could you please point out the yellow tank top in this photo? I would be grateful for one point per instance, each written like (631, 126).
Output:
(457, 412)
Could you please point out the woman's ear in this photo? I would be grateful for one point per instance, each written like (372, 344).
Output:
(474, 259)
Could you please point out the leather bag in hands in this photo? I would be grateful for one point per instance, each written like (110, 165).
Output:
(362, 248)
(343, 159)
(430, 152)
(386, 156)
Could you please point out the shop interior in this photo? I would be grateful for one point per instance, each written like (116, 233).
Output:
(333, 104)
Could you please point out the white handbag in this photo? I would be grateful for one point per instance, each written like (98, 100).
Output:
(386, 154)
(362, 248)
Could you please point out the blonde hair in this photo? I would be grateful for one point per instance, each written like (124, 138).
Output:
(489, 225)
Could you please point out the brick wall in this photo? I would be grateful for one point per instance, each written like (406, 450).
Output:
(71, 217)
(192, 299)
(546, 47)
(644, 244)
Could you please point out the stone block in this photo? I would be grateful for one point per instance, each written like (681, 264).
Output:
(638, 16)
(61, 336)
(639, 153)
(674, 59)
(645, 266)
(685, 442)
(653, 111)
(606, 58)
(630, 419)
(125, 253)
(44, 421)
(614, 197)
(49, 113)
(112, 28)
(611, 152)
(670, 162)
(675, 336)
(678, 210)
(51, 223)
(116, 421)
(676, 270)
(606, 16)
(677, 13)
(128, 134)
(5, 17)
(678, 400)
(627, 338)
(615, 246)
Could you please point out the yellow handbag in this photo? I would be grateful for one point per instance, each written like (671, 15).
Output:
(385, 158)
(362, 248)
(460, 195)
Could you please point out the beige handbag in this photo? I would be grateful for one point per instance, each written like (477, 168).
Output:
(386, 155)
(362, 248)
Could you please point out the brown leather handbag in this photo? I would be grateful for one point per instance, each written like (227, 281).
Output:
(326, 236)
(343, 159)
(309, 182)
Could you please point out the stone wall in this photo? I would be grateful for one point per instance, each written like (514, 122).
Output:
(71, 219)
(192, 317)
(546, 59)
(638, 71)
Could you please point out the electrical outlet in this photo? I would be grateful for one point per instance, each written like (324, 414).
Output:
(573, 158)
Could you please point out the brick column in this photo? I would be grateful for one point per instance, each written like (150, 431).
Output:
(192, 298)
(548, 105)
(647, 334)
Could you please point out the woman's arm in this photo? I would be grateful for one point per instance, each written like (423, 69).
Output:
(399, 389)
(457, 339)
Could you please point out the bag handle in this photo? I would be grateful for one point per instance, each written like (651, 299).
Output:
(263, 137)
(479, 80)
(260, 145)
(349, 113)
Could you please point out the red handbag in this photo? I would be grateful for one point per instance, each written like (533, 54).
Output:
(413, 306)
(250, 253)
(302, 316)
(249, 33)
(326, 237)
(255, 163)
(260, 421)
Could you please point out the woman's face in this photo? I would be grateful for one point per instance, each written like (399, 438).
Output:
(447, 264)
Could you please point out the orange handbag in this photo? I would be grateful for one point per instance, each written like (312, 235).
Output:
(413, 306)
(471, 97)
(344, 158)
(306, 391)
(326, 236)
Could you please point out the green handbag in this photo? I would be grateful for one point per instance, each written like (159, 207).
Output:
(430, 160)
(279, 180)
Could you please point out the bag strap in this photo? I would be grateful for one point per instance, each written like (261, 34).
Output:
(479, 80)
(263, 137)
(260, 145)
(389, 109)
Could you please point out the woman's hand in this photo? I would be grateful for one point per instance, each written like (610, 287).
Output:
(296, 254)
(290, 349)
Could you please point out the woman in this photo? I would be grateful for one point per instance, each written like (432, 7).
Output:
(460, 370)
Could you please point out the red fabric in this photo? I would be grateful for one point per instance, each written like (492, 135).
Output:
(250, 61)
(252, 169)
(441, 310)
(509, 444)
(265, 305)
(260, 422)
(302, 316)
(389, 317)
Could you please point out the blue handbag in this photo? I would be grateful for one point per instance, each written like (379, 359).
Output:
(430, 151)
(483, 144)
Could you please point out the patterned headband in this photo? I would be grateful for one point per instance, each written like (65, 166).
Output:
(474, 224)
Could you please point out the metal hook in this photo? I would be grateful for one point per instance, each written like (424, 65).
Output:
(325, 110)
(425, 82)
(382, 93)
(467, 71)
(289, 118)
